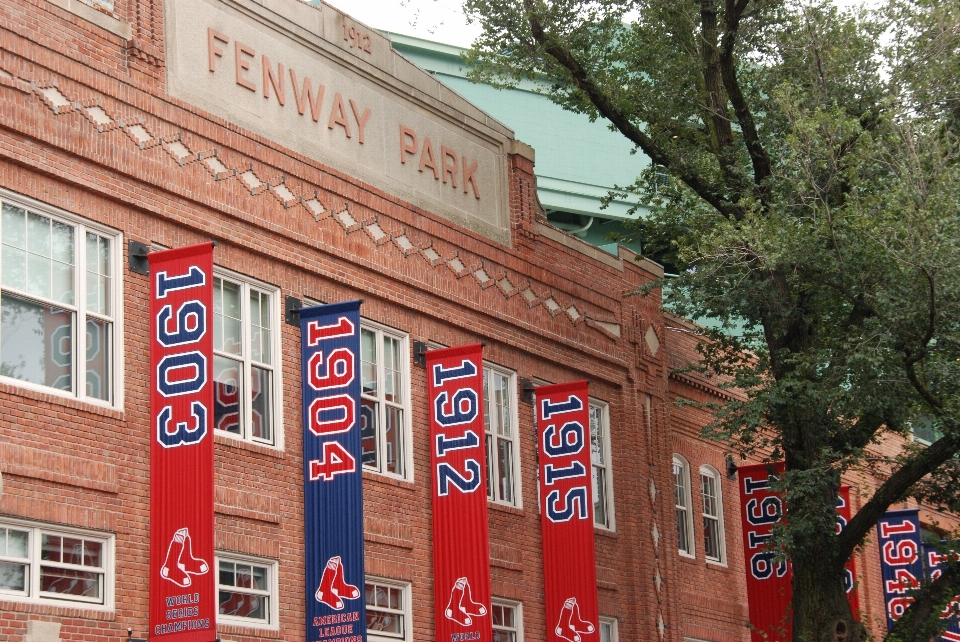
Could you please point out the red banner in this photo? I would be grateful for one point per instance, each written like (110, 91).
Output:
(183, 600)
(769, 588)
(566, 513)
(461, 550)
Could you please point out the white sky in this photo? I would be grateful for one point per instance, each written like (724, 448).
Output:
(438, 20)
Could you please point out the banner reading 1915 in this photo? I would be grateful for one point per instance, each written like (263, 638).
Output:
(461, 553)
(333, 481)
(566, 513)
(183, 600)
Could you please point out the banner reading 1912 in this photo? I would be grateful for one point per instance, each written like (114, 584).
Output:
(183, 600)
(461, 553)
(566, 512)
(333, 481)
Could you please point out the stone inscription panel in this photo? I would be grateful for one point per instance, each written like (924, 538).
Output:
(230, 58)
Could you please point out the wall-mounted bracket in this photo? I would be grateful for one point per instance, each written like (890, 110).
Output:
(291, 310)
(420, 353)
(137, 257)
(527, 389)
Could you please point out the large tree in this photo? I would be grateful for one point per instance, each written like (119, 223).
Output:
(814, 202)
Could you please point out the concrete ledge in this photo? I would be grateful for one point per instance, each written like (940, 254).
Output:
(572, 242)
(104, 21)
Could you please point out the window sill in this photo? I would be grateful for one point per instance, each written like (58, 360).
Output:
(369, 475)
(235, 442)
(605, 532)
(103, 20)
(230, 628)
(58, 609)
(686, 556)
(717, 564)
(6, 387)
(504, 508)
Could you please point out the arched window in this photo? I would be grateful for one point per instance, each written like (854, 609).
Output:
(713, 538)
(681, 488)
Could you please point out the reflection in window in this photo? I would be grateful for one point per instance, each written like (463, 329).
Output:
(383, 406)
(386, 612)
(244, 590)
(44, 299)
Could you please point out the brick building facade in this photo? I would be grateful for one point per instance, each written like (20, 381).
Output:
(120, 126)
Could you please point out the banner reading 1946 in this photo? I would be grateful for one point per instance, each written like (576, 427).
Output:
(333, 481)
(461, 553)
(566, 513)
(183, 600)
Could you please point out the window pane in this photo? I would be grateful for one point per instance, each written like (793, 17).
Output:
(227, 335)
(504, 636)
(38, 234)
(596, 434)
(391, 370)
(396, 599)
(68, 582)
(683, 544)
(14, 268)
(490, 475)
(606, 632)
(27, 329)
(98, 274)
(599, 496)
(487, 403)
(38, 275)
(505, 464)
(17, 543)
(226, 394)
(13, 577)
(368, 361)
(679, 486)
(92, 552)
(368, 432)
(502, 398)
(50, 548)
(72, 551)
(260, 578)
(386, 622)
(260, 403)
(14, 223)
(243, 605)
(98, 358)
(393, 434)
(708, 483)
(227, 574)
(260, 326)
(62, 243)
(710, 541)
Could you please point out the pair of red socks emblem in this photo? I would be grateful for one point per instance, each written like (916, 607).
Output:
(180, 563)
(333, 588)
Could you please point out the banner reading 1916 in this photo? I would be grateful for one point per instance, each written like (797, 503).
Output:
(461, 553)
(333, 481)
(183, 600)
(566, 513)
(769, 588)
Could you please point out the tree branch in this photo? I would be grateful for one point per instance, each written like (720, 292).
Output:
(893, 490)
(583, 81)
(751, 138)
(921, 620)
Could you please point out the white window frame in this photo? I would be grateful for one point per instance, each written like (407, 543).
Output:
(691, 550)
(406, 437)
(273, 594)
(246, 283)
(607, 467)
(406, 611)
(32, 594)
(492, 466)
(612, 623)
(713, 473)
(81, 226)
(517, 615)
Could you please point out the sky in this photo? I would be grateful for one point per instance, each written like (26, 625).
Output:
(438, 20)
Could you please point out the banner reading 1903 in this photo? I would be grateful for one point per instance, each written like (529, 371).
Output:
(333, 481)
(461, 553)
(566, 513)
(183, 600)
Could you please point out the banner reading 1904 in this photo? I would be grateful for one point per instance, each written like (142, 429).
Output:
(333, 482)
(566, 513)
(461, 553)
(183, 601)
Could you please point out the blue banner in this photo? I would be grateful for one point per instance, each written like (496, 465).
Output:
(333, 482)
(933, 558)
(901, 565)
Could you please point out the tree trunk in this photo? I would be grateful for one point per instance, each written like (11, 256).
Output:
(821, 612)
